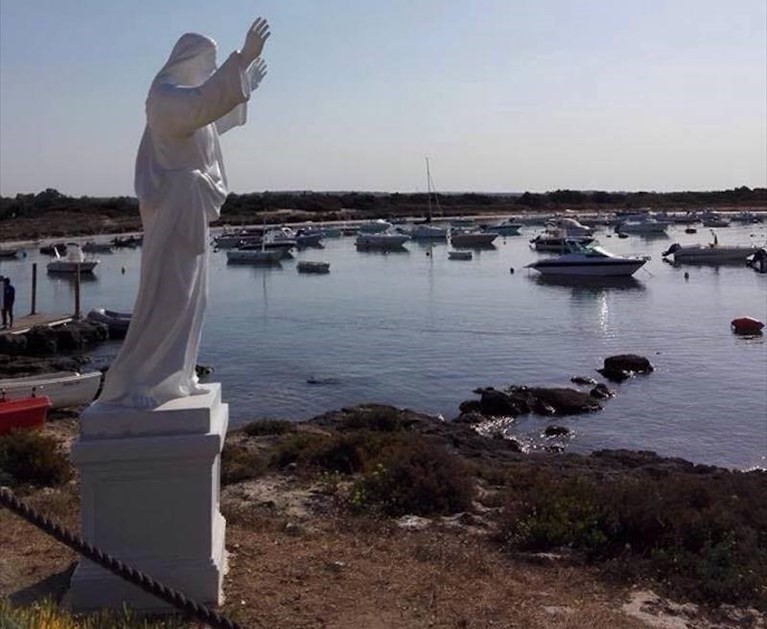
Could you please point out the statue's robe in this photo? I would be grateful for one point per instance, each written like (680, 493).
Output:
(181, 186)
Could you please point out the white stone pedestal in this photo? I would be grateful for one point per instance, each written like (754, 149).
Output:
(150, 497)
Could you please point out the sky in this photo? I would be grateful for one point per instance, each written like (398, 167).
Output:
(502, 95)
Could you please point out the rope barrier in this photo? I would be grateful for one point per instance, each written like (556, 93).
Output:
(132, 575)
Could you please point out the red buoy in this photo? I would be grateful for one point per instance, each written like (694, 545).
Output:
(746, 325)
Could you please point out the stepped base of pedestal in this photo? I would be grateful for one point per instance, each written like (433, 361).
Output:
(150, 497)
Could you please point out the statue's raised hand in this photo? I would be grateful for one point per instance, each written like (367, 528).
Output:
(254, 41)
(256, 72)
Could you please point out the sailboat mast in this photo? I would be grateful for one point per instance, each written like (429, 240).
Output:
(428, 191)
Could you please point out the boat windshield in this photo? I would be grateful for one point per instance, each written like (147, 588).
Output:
(591, 250)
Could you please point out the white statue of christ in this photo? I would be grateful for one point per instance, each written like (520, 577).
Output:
(181, 186)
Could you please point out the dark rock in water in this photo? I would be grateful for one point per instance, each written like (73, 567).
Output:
(499, 404)
(619, 368)
(470, 406)
(556, 400)
(78, 335)
(629, 362)
(470, 417)
(601, 392)
(322, 380)
(203, 370)
(583, 380)
(555, 431)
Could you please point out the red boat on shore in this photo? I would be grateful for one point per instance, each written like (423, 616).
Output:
(29, 412)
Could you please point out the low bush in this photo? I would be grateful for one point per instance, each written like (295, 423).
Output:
(239, 463)
(416, 477)
(29, 458)
(261, 427)
(702, 535)
(374, 417)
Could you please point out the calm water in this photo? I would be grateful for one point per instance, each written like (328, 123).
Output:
(418, 330)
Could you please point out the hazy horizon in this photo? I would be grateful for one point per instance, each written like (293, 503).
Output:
(503, 97)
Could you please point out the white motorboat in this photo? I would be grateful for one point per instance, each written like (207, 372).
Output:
(309, 266)
(710, 253)
(374, 227)
(64, 388)
(712, 219)
(572, 227)
(555, 241)
(472, 238)
(74, 260)
(381, 240)
(591, 261)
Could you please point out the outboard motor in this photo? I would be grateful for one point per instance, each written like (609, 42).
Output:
(675, 247)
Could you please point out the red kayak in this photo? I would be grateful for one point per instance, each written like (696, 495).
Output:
(28, 412)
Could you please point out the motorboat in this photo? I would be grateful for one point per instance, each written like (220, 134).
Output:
(381, 240)
(8, 253)
(374, 227)
(254, 254)
(591, 261)
(643, 225)
(472, 238)
(710, 253)
(130, 242)
(459, 255)
(97, 247)
(63, 388)
(428, 231)
(554, 240)
(74, 260)
(117, 322)
(504, 228)
(571, 226)
(713, 219)
(309, 266)
(23, 413)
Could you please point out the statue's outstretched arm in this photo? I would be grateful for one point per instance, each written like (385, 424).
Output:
(254, 41)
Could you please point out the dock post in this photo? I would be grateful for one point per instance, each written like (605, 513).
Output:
(34, 288)
(77, 292)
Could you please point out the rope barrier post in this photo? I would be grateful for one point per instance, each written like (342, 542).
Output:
(34, 289)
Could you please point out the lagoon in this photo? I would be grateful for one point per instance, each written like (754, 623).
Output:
(416, 329)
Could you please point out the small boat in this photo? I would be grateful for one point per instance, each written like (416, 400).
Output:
(712, 219)
(75, 260)
(592, 261)
(426, 230)
(23, 413)
(746, 325)
(254, 255)
(97, 247)
(64, 388)
(472, 238)
(127, 241)
(8, 253)
(307, 266)
(382, 241)
(646, 225)
(711, 253)
(460, 255)
(117, 322)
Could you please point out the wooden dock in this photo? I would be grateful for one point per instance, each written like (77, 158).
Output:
(25, 323)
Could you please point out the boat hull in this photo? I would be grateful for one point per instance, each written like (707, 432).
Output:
(713, 255)
(23, 413)
(63, 389)
(588, 269)
(65, 266)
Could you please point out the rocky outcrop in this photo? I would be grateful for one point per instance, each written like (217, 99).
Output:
(44, 341)
(521, 400)
(623, 366)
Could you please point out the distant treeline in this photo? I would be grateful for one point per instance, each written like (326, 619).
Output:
(51, 200)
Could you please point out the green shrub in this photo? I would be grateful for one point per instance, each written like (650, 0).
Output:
(414, 477)
(374, 417)
(29, 458)
(345, 454)
(703, 535)
(261, 427)
(238, 464)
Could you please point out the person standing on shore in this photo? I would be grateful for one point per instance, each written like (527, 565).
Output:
(2, 300)
(181, 186)
(9, 297)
